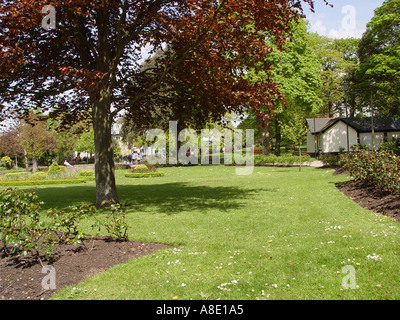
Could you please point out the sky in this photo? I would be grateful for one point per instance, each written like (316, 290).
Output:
(347, 18)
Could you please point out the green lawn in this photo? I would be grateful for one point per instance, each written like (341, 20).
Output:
(277, 234)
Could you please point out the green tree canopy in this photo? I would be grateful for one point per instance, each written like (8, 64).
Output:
(35, 139)
(296, 70)
(378, 74)
(338, 59)
(86, 142)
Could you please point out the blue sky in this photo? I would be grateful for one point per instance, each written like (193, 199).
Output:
(347, 18)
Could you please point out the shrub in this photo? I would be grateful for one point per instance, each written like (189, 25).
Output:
(39, 175)
(143, 168)
(55, 169)
(3, 168)
(380, 168)
(390, 146)
(140, 167)
(119, 166)
(354, 147)
(86, 173)
(115, 223)
(16, 174)
(88, 178)
(65, 223)
(273, 159)
(6, 160)
(23, 230)
(330, 160)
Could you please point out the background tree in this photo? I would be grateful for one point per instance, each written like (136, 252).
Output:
(88, 66)
(35, 140)
(10, 144)
(338, 59)
(378, 74)
(65, 140)
(297, 72)
(86, 144)
(295, 132)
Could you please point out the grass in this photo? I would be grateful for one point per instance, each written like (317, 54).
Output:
(277, 234)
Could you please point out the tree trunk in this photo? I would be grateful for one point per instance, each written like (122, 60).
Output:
(278, 137)
(35, 167)
(299, 157)
(26, 160)
(106, 190)
(263, 127)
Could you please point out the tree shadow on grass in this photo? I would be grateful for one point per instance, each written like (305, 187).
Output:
(168, 198)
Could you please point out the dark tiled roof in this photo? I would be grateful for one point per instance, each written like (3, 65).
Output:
(359, 124)
(380, 124)
(319, 123)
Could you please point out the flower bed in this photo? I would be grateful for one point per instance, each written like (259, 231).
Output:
(37, 182)
(42, 178)
(143, 171)
(144, 174)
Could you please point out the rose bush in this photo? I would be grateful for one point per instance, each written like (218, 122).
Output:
(380, 168)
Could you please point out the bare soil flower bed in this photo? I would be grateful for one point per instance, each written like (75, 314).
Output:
(372, 198)
(21, 277)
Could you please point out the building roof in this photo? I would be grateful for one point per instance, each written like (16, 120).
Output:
(317, 123)
(358, 124)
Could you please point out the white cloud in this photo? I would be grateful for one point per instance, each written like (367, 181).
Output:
(344, 31)
(318, 27)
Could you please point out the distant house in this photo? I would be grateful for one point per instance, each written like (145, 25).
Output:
(331, 135)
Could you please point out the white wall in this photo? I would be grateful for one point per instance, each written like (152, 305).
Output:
(365, 139)
(393, 136)
(336, 137)
(310, 142)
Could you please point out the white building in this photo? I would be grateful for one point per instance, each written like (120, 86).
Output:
(333, 135)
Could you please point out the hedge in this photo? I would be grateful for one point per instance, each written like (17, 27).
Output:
(86, 173)
(39, 175)
(40, 182)
(88, 178)
(16, 174)
(273, 159)
(144, 174)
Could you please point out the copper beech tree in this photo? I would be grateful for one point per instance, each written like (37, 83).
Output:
(79, 59)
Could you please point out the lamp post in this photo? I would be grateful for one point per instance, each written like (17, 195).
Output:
(345, 89)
